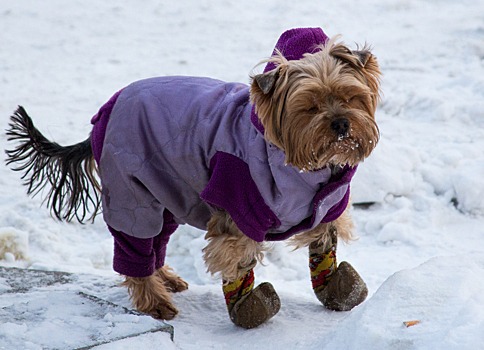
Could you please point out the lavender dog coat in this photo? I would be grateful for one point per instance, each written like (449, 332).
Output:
(171, 150)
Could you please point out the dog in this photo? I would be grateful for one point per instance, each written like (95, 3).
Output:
(266, 162)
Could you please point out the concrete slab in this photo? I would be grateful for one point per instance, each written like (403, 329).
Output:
(47, 309)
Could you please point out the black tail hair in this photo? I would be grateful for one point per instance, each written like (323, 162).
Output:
(67, 172)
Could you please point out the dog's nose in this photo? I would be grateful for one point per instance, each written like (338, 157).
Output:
(340, 126)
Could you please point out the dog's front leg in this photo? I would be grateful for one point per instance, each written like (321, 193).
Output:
(233, 255)
(340, 287)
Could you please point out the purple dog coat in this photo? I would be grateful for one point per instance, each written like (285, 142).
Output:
(171, 150)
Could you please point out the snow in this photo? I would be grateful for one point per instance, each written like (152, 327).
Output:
(420, 246)
(407, 295)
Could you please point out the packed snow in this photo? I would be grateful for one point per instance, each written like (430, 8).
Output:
(419, 199)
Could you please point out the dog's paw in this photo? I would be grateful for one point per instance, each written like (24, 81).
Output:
(159, 307)
(163, 311)
(171, 281)
(176, 285)
(149, 295)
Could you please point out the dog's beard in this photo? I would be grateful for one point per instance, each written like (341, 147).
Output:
(313, 147)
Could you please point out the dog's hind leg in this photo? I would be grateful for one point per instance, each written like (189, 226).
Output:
(150, 295)
(340, 287)
(149, 283)
(233, 255)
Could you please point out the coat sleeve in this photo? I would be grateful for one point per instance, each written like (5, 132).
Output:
(232, 189)
(328, 204)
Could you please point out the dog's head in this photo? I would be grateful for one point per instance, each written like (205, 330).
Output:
(320, 110)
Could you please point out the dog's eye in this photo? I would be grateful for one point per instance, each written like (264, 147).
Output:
(351, 99)
(313, 110)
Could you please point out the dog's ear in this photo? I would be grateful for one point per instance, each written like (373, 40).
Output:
(356, 59)
(263, 86)
(266, 81)
(265, 94)
(370, 69)
(363, 56)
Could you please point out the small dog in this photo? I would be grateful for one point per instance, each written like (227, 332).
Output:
(265, 163)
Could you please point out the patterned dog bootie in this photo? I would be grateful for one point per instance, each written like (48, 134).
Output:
(339, 288)
(250, 307)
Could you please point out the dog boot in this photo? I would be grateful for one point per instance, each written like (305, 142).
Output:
(248, 307)
(338, 288)
(345, 290)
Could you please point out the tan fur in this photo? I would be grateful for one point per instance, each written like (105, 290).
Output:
(152, 295)
(297, 103)
(320, 234)
(172, 281)
(229, 252)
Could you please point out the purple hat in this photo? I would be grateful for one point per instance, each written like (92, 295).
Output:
(293, 44)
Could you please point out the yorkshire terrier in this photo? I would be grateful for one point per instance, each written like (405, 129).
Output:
(265, 162)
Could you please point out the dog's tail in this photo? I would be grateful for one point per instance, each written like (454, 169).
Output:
(66, 172)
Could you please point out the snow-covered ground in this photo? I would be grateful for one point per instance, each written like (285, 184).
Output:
(421, 245)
